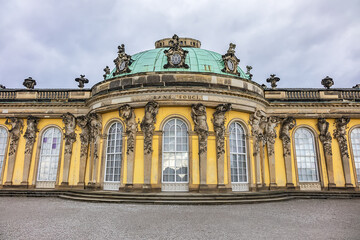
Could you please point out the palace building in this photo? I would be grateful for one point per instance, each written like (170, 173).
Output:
(180, 118)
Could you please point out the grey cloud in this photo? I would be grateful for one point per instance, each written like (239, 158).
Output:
(300, 41)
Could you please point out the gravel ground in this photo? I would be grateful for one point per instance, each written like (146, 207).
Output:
(53, 218)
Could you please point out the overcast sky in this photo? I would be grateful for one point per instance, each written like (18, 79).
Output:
(300, 41)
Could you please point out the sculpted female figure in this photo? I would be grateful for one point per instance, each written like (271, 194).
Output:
(147, 124)
(198, 114)
(127, 113)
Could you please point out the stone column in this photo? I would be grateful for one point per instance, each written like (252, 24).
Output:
(147, 126)
(198, 114)
(127, 113)
(219, 128)
(30, 136)
(15, 132)
(326, 139)
(270, 134)
(83, 123)
(95, 124)
(287, 124)
(70, 137)
(340, 135)
(258, 122)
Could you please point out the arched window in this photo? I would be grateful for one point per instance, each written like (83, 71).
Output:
(3, 144)
(113, 154)
(306, 156)
(355, 142)
(49, 155)
(175, 156)
(238, 161)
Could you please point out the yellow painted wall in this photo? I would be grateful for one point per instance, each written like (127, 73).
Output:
(185, 112)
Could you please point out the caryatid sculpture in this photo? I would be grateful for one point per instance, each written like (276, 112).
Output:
(95, 124)
(326, 140)
(70, 137)
(287, 124)
(30, 136)
(258, 121)
(270, 136)
(148, 124)
(219, 126)
(340, 135)
(17, 125)
(30, 133)
(198, 114)
(83, 123)
(127, 113)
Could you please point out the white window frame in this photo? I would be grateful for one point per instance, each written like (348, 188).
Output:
(298, 156)
(175, 151)
(355, 147)
(237, 124)
(51, 155)
(120, 138)
(3, 146)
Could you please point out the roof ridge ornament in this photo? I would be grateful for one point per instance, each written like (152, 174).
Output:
(29, 83)
(273, 80)
(175, 55)
(327, 82)
(248, 69)
(82, 81)
(107, 72)
(122, 62)
(231, 62)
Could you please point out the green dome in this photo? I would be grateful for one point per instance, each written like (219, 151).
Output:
(199, 60)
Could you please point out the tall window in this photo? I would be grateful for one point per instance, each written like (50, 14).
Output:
(238, 162)
(3, 144)
(114, 153)
(175, 163)
(49, 154)
(355, 142)
(306, 156)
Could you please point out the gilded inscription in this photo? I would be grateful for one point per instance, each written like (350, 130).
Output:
(177, 97)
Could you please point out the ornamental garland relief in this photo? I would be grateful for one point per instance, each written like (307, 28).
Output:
(219, 127)
(70, 136)
(30, 133)
(17, 125)
(127, 113)
(198, 114)
(147, 125)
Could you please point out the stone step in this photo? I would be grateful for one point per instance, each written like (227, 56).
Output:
(175, 201)
(176, 198)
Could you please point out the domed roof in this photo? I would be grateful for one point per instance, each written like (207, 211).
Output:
(199, 60)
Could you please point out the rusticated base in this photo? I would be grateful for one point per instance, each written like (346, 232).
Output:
(146, 188)
(273, 185)
(290, 186)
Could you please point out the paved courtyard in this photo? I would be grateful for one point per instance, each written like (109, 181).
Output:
(52, 218)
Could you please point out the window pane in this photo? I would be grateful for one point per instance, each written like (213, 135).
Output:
(355, 144)
(238, 161)
(306, 156)
(113, 153)
(49, 155)
(175, 151)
